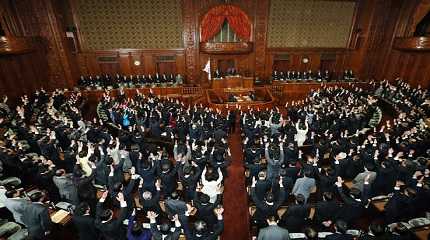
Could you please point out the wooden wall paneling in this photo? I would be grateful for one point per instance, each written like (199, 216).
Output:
(425, 80)
(180, 64)
(366, 15)
(420, 9)
(413, 67)
(420, 68)
(39, 18)
(125, 63)
(148, 63)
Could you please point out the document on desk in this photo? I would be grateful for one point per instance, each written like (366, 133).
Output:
(59, 216)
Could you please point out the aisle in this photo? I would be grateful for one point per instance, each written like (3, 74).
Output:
(235, 197)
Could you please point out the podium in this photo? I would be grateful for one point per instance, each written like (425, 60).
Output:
(232, 82)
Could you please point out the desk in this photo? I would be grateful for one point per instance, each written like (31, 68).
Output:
(232, 82)
(218, 98)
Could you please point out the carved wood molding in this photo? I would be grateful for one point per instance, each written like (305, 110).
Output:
(261, 22)
(190, 41)
(226, 48)
(412, 44)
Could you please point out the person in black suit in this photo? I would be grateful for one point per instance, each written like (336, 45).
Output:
(168, 176)
(340, 227)
(354, 204)
(189, 177)
(164, 233)
(201, 231)
(84, 222)
(326, 210)
(149, 200)
(296, 215)
(398, 205)
(205, 209)
(376, 232)
(268, 206)
(109, 227)
(37, 219)
(86, 190)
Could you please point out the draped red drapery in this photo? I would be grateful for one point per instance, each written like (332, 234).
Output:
(213, 20)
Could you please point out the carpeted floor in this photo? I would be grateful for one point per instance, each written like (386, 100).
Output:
(235, 197)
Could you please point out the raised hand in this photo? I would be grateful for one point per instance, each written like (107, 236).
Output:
(339, 182)
(219, 211)
(120, 197)
(105, 194)
(151, 215)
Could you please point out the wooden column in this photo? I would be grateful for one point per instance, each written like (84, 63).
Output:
(261, 22)
(190, 41)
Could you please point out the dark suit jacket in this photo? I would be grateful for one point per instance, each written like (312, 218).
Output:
(111, 230)
(156, 234)
(352, 209)
(85, 227)
(206, 212)
(263, 209)
(326, 210)
(273, 232)
(339, 236)
(36, 219)
(211, 234)
(294, 219)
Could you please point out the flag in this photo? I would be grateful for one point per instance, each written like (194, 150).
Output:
(208, 69)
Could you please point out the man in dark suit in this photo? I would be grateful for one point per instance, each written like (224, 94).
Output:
(205, 209)
(84, 223)
(268, 206)
(326, 210)
(355, 203)
(164, 233)
(109, 227)
(341, 227)
(273, 231)
(201, 231)
(376, 231)
(296, 216)
(37, 219)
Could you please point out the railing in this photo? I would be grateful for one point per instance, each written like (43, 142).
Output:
(192, 91)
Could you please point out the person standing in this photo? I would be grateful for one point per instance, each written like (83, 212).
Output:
(273, 231)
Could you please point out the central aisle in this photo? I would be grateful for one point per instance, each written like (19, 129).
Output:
(235, 196)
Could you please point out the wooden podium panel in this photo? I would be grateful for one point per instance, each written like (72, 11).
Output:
(233, 82)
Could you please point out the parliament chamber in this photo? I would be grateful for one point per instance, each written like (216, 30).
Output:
(215, 119)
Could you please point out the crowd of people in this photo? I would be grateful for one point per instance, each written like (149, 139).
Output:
(299, 157)
(154, 167)
(107, 81)
(153, 161)
(319, 76)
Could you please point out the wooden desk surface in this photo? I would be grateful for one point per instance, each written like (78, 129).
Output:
(422, 233)
(64, 221)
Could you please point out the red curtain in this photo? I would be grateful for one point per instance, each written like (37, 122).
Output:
(213, 20)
